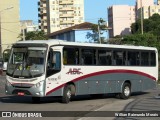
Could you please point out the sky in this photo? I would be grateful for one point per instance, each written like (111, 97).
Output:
(94, 9)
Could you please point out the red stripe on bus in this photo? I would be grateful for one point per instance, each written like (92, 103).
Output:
(104, 72)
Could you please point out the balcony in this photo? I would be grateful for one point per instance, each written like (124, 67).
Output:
(65, 2)
(67, 15)
(66, 9)
(43, 0)
(44, 11)
(66, 22)
(45, 23)
(44, 18)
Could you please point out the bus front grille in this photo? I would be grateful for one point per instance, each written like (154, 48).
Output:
(21, 91)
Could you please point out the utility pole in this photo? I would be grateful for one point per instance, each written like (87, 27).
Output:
(99, 29)
(23, 32)
(99, 34)
(141, 19)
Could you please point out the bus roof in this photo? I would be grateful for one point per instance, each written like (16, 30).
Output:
(62, 42)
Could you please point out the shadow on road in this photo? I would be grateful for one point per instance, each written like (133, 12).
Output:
(28, 100)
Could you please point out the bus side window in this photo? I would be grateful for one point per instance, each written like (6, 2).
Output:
(105, 57)
(70, 56)
(153, 59)
(88, 57)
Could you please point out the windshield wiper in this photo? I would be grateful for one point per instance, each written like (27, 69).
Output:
(30, 73)
(17, 65)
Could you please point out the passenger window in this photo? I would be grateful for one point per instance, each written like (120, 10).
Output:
(145, 58)
(119, 58)
(153, 59)
(88, 57)
(133, 58)
(105, 57)
(71, 56)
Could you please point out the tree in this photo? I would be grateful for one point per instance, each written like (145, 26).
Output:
(147, 39)
(151, 25)
(34, 35)
(116, 40)
(94, 35)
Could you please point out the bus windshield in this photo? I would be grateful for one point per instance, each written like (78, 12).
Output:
(27, 62)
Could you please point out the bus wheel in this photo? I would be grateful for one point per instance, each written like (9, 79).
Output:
(35, 99)
(67, 93)
(126, 91)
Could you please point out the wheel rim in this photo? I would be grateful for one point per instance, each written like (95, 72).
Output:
(69, 94)
(126, 91)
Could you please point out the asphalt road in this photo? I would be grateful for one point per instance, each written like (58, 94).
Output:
(88, 106)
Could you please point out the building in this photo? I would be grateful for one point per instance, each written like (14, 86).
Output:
(142, 3)
(72, 33)
(120, 18)
(158, 2)
(148, 11)
(10, 26)
(28, 26)
(56, 15)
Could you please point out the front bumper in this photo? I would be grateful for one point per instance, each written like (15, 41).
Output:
(36, 90)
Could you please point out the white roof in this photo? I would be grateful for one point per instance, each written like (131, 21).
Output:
(62, 42)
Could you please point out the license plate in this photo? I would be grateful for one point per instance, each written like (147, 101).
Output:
(20, 93)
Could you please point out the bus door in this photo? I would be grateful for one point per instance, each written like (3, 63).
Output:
(53, 70)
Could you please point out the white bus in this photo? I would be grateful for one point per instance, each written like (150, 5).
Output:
(58, 68)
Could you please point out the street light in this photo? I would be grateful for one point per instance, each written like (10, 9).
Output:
(1, 28)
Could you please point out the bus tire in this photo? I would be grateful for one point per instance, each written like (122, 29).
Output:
(126, 91)
(67, 93)
(35, 99)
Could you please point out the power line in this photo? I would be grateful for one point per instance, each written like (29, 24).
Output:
(10, 30)
(10, 22)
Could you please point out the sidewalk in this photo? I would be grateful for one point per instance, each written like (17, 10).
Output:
(118, 106)
(143, 103)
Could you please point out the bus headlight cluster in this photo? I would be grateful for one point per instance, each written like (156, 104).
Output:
(39, 84)
(8, 84)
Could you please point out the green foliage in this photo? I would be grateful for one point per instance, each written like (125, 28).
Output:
(35, 35)
(94, 35)
(151, 36)
(147, 39)
(151, 25)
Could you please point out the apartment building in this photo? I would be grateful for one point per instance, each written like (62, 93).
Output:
(148, 11)
(10, 26)
(120, 18)
(142, 3)
(158, 2)
(28, 26)
(55, 15)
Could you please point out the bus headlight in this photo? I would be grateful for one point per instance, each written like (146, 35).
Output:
(39, 84)
(8, 84)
